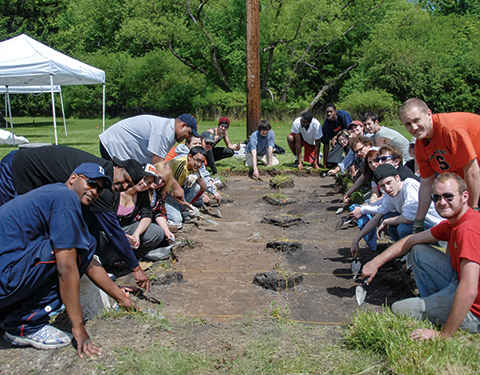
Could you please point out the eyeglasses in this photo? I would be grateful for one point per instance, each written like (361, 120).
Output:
(93, 184)
(359, 150)
(383, 159)
(198, 161)
(223, 125)
(449, 197)
(211, 144)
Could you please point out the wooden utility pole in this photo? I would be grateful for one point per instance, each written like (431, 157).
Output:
(253, 66)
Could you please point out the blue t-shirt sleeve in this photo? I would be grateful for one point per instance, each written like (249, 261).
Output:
(108, 221)
(345, 118)
(67, 226)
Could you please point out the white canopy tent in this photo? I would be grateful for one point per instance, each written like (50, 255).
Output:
(26, 62)
(32, 90)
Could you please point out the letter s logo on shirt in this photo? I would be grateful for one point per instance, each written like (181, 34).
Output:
(442, 164)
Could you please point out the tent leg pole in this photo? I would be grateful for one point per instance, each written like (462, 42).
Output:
(10, 114)
(103, 107)
(63, 112)
(53, 110)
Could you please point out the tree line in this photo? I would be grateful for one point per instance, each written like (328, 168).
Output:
(171, 56)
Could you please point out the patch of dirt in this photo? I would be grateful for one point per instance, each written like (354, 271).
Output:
(218, 271)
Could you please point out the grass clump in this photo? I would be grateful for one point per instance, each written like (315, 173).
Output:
(161, 360)
(388, 335)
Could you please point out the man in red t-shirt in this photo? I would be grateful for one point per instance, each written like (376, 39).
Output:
(446, 142)
(448, 283)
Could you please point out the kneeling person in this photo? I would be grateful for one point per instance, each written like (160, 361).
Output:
(184, 171)
(401, 200)
(44, 249)
(260, 148)
(448, 282)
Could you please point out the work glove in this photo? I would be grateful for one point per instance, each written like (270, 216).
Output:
(191, 179)
(418, 226)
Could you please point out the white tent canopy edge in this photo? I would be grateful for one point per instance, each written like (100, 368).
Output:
(27, 62)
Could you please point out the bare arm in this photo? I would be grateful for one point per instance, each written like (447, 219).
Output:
(316, 154)
(471, 173)
(254, 162)
(464, 296)
(202, 183)
(156, 159)
(382, 141)
(397, 249)
(69, 285)
(99, 277)
(162, 223)
(298, 150)
(375, 195)
(400, 219)
(177, 192)
(141, 228)
(270, 156)
(235, 147)
(371, 225)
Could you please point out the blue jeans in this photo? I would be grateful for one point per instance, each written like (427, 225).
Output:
(437, 283)
(174, 210)
(400, 231)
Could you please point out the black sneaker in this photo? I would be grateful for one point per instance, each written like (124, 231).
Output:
(295, 165)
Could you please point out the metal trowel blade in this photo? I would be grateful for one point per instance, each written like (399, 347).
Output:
(356, 267)
(340, 210)
(360, 293)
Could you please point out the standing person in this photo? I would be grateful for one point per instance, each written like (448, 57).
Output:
(446, 142)
(44, 249)
(401, 197)
(306, 133)
(27, 169)
(335, 121)
(382, 135)
(448, 282)
(260, 148)
(145, 138)
(219, 153)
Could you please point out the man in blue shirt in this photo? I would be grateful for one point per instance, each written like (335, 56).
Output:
(260, 148)
(335, 121)
(45, 248)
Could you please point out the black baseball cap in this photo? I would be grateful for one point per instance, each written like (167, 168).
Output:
(133, 168)
(384, 171)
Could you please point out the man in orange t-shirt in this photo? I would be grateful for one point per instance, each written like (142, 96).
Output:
(446, 142)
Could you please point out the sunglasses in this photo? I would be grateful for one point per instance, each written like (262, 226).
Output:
(383, 159)
(449, 197)
(93, 184)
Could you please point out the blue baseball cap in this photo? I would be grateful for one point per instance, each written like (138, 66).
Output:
(94, 171)
(191, 122)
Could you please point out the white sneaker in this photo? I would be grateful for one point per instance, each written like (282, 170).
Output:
(178, 225)
(48, 337)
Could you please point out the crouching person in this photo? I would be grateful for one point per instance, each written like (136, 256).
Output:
(448, 283)
(45, 248)
(185, 173)
(260, 148)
